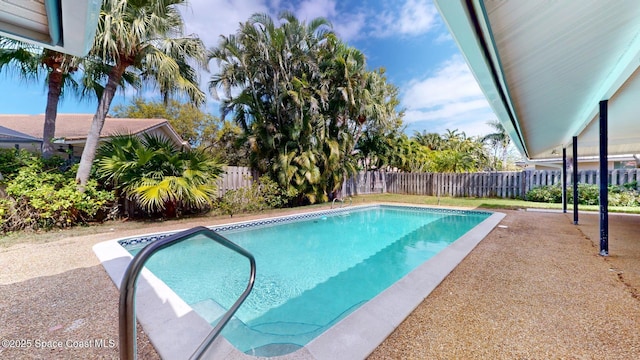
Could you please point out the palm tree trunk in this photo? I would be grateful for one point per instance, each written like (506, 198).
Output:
(51, 112)
(89, 152)
(504, 158)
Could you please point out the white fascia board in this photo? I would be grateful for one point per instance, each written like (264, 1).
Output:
(455, 14)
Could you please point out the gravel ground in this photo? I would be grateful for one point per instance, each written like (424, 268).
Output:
(534, 290)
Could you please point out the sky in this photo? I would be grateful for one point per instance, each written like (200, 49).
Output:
(408, 38)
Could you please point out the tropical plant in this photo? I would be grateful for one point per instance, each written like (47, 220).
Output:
(156, 175)
(429, 139)
(144, 37)
(228, 144)
(276, 70)
(303, 100)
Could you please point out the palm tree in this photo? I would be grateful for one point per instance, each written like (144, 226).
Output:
(278, 107)
(452, 136)
(431, 140)
(143, 36)
(30, 61)
(499, 139)
(154, 173)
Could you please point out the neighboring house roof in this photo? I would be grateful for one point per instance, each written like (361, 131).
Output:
(12, 136)
(73, 128)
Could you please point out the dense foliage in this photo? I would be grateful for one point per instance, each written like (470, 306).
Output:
(156, 175)
(262, 194)
(189, 121)
(429, 152)
(304, 100)
(588, 194)
(41, 196)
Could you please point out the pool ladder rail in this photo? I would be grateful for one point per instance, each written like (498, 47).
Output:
(342, 201)
(127, 316)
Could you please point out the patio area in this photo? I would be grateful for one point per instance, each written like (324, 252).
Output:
(534, 288)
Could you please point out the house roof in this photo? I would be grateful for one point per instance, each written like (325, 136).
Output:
(544, 66)
(73, 128)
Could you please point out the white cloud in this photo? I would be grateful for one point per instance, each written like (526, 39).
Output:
(449, 98)
(212, 18)
(310, 9)
(444, 37)
(414, 17)
(452, 83)
(349, 27)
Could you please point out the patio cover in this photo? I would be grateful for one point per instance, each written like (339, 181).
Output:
(545, 65)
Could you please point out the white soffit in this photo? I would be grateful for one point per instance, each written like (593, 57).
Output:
(28, 18)
(67, 26)
(545, 65)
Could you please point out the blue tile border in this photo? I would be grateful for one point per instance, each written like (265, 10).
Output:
(145, 239)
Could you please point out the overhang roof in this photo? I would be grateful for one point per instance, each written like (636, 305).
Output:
(12, 136)
(544, 66)
(67, 26)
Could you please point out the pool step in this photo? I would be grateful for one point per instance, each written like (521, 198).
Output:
(210, 310)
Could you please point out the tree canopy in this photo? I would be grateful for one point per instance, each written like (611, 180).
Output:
(189, 121)
(303, 99)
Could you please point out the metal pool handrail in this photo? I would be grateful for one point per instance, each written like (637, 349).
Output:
(342, 201)
(127, 318)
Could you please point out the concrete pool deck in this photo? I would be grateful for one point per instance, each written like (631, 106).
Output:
(533, 289)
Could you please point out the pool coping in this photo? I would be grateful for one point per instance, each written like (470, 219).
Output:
(176, 330)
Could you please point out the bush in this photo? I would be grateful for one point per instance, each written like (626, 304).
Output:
(261, 195)
(624, 198)
(547, 193)
(42, 198)
(588, 194)
(11, 161)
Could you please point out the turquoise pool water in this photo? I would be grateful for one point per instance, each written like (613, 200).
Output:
(311, 273)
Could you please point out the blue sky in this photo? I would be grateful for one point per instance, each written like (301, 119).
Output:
(408, 38)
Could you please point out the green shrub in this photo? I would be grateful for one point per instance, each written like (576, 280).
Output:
(11, 161)
(588, 194)
(624, 198)
(631, 186)
(261, 195)
(547, 193)
(42, 198)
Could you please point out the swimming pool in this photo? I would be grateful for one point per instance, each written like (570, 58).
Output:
(313, 269)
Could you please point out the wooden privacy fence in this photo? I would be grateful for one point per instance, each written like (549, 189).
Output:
(505, 184)
(234, 177)
(487, 184)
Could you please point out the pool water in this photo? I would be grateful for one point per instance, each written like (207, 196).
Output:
(310, 273)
